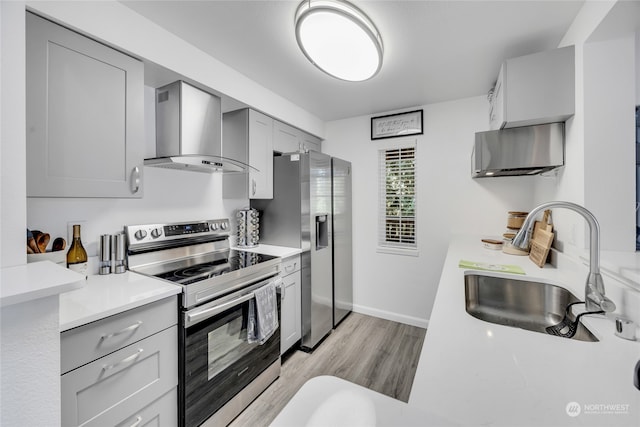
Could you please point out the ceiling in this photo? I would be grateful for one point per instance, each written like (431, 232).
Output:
(434, 50)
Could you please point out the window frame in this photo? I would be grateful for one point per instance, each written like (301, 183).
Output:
(384, 245)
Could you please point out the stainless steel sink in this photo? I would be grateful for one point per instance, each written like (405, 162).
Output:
(519, 303)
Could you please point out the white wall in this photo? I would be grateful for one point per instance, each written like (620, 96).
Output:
(30, 368)
(12, 147)
(403, 288)
(600, 153)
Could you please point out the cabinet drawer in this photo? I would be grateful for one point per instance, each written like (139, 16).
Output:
(89, 342)
(290, 265)
(116, 386)
(161, 413)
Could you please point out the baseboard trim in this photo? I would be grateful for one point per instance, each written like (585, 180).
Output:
(395, 317)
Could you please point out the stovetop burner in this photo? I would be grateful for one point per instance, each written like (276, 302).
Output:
(228, 261)
(196, 256)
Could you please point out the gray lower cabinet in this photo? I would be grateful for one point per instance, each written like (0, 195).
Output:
(132, 384)
(85, 115)
(290, 309)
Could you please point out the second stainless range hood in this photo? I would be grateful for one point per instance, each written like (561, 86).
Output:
(527, 150)
(189, 131)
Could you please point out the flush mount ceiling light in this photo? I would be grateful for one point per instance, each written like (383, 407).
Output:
(339, 39)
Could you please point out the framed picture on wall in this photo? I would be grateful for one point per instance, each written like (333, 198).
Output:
(395, 125)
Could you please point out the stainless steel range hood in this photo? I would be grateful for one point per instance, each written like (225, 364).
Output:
(528, 150)
(189, 131)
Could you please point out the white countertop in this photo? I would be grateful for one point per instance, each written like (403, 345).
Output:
(110, 294)
(279, 251)
(35, 280)
(476, 373)
(330, 401)
(480, 373)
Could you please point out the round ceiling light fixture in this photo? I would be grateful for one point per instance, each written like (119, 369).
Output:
(339, 39)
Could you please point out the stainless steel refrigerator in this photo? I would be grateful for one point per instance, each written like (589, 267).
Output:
(342, 248)
(299, 215)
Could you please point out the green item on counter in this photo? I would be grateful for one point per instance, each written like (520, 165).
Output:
(503, 268)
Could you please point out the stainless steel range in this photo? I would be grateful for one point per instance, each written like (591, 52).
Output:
(220, 371)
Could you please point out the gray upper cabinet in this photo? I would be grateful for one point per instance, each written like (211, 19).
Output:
(534, 89)
(247, 135)
(85, 116)
(287, 139)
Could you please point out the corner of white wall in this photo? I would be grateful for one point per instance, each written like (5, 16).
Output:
(13, 135)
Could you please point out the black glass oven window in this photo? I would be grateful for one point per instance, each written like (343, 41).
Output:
(228, 343)
(219, 363)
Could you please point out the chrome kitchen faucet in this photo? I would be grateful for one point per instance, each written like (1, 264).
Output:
(595, 299)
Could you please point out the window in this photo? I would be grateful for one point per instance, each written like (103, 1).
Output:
(397, 227)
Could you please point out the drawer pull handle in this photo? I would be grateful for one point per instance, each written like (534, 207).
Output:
(289, 268)
(128, 359)
(243, 371)
(122, 331)
(138, 421)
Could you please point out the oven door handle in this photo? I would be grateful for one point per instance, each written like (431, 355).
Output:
(193, 317)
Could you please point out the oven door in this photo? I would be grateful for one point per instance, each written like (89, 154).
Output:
(216, 360)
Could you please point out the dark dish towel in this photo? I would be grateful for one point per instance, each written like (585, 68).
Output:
(263, 314)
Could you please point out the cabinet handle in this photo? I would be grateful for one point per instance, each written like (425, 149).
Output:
(135, 180)
(128, 359)
(122, 331)
(289, 268)
(137, 422)
(253, 187)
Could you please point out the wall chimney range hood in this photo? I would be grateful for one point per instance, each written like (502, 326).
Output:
(189, 131)
(527, 150)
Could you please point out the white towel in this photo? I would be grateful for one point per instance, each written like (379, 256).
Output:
(263, 314)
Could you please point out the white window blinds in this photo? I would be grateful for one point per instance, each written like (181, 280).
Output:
(397, 185)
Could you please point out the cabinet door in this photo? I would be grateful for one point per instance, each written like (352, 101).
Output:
(107, 390)
(310, 143)
(85, 115)
(260, 156)
(286, 139)
(291, 326)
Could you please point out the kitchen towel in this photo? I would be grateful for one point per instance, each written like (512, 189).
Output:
(263, 314)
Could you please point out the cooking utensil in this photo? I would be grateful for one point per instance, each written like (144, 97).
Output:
(31, 243)
(42, 240)
(59, 244)
(567, 328)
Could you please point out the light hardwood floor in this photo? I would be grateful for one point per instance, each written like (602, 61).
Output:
(374, 353)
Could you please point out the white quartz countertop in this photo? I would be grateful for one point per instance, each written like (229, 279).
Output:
(110, 294)
(475, 373)
(279, 251)
(479, 373)
(31, 281)
(330, 401)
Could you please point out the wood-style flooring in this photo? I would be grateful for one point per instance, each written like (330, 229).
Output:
(375, 353)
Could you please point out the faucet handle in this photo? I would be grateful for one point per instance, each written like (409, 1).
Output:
(596, 301)
(625, 329)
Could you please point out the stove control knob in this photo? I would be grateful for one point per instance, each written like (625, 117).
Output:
(214, 226)
(156, 232)
(224, 225)
(140, 234)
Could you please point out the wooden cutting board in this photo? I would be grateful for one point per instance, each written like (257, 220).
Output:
(545, 224)
(540, 246)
